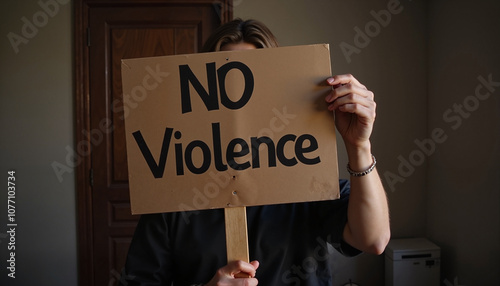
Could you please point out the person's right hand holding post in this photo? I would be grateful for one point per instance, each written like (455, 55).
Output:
(228, 275)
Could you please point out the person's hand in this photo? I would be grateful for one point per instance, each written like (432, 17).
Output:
(229, 274)
(354, 109)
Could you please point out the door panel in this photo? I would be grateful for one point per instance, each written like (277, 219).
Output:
(117, 32)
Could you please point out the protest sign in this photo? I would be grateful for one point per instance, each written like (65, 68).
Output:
(230, 129)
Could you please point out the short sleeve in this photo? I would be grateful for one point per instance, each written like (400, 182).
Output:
(148, 261)
(333, 218)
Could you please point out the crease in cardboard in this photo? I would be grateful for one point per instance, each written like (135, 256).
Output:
(125, 64)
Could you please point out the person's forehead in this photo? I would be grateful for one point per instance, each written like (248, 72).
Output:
(238, 46)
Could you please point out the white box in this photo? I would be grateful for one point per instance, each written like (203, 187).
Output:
(412, 262)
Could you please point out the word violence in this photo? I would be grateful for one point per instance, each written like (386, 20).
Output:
(236, 148)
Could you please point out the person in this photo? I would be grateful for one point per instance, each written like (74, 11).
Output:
(288, 243)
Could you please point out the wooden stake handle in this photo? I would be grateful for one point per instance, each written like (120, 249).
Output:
(236, 236)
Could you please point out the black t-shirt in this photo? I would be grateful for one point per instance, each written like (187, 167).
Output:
(289, 241)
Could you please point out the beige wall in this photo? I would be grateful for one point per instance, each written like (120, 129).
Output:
(464, 173)
(452, 197)
(36, 121)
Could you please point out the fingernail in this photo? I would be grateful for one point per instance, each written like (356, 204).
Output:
(330, 80)
(329, 97)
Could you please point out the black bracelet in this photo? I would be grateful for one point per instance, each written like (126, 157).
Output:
(365, 172)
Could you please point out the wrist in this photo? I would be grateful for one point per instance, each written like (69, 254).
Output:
(359, 156)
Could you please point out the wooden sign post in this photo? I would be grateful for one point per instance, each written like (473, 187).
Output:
(200, 126)
(236, 234)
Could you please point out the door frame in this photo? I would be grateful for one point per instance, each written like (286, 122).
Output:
(83, 176)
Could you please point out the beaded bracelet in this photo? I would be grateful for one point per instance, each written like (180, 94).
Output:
(365, 172)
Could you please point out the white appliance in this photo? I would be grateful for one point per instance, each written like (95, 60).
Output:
(412, 262)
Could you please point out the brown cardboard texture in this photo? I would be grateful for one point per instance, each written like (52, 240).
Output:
(226, 129)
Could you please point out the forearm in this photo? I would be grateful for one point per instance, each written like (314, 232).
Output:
(368, 226)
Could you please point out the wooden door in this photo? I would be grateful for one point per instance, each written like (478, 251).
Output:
(111, 31)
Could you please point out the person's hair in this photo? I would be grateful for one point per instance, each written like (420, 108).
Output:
(237, 31)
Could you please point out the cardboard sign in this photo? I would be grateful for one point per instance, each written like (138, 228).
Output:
(226, 129)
